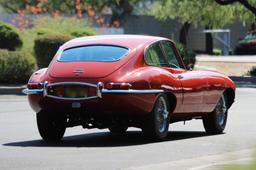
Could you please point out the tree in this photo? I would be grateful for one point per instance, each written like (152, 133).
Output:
(248, 5)
(245, 8)
(205, 13)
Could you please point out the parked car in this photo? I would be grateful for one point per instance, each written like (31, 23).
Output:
(121, 81)
(247, 45)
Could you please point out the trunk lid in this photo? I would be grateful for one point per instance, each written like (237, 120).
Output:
(86, 69)
(83, 69)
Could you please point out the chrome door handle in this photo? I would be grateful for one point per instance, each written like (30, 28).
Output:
(180, 77)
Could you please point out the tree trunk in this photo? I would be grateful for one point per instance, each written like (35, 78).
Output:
(184, 33)
(208, 42)
(252, 27)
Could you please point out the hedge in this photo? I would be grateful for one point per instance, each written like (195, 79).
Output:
(16, 66)
(82, 32)
(9, 37)
(188, 56)
(252, 72)
(46, 47)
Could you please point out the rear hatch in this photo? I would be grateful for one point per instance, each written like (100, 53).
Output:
(97, 62)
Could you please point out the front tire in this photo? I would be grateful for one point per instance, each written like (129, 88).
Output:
(51, 126)
(156, 124)
(215, 122)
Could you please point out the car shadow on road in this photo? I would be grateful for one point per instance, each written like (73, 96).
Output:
(106, 139)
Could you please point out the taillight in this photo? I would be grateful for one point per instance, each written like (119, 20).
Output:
(35, 85)
(118, 86)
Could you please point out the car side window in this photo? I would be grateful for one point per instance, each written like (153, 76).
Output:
(154, 55)
(170, 54)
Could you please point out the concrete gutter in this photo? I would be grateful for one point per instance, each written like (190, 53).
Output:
(11, 90)
(245, 79)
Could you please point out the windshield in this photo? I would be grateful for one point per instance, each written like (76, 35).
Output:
(93, 53)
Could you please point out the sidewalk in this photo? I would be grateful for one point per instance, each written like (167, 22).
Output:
(11, 89)
(233, 58)
(229, 65)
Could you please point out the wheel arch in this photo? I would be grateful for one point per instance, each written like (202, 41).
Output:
(229, 96)
(172, 101)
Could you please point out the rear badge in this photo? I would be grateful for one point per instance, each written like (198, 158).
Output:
(76, 105)
(78, 71)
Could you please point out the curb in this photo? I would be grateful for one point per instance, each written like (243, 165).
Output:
(11, 90)
(240, 81)
(246, 79)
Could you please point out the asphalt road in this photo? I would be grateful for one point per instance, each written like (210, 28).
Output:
(187, 146)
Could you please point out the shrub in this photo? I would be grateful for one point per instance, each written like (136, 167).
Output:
(252, 72)
(46, 47)
(188, 56)
(44, 31)
(9, 38)
(82, 32)
(16, 66)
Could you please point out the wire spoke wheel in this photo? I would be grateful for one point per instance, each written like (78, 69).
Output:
(221, 111)
(156, 125)
(162, 114)
(215, 122)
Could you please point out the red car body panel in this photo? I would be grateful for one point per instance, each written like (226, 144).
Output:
(196, 92)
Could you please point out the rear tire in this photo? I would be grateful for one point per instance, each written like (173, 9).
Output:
(51, 126)
(215, 122)
(156, 124)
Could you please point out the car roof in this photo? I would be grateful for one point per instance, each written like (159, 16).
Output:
(129, 41)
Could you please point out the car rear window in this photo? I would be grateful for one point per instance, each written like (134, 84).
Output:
(94, 53)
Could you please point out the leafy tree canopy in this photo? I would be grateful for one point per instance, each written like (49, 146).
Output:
(203, 12)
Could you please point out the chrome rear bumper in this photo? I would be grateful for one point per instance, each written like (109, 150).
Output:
(99, 90)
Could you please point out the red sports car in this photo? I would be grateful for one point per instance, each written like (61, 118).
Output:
(121, 81)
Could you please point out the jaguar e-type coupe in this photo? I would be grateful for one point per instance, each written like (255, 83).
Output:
(121, 81)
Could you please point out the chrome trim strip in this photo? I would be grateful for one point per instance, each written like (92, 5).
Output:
(131, 91)
(32, 91)
(71, 83)
(99, 90)
(45, 88)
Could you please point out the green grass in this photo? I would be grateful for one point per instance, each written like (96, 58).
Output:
(217, 51)
(62, 25)
(59, 26)
(240, 167)
(251, 165)
(28, 36)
